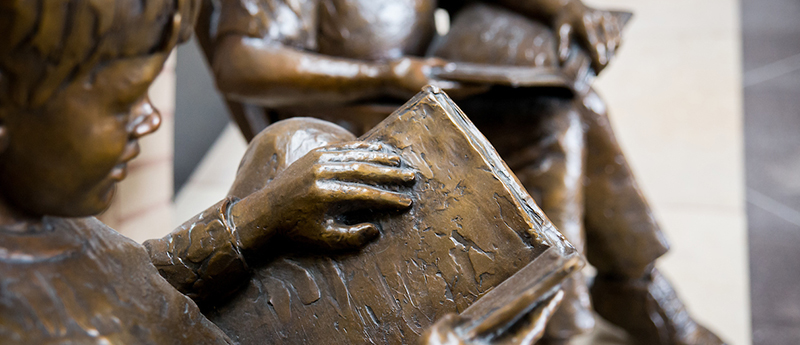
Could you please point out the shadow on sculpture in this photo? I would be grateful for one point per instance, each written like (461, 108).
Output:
(381, 236)
(521, 70)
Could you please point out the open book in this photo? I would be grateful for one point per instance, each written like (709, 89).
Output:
(473, 242)
(505, 56)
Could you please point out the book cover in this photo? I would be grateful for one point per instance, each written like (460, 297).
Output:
(471, 227)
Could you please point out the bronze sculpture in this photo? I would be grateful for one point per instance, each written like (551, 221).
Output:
(470, 228)
(350, 61)
(73, 83)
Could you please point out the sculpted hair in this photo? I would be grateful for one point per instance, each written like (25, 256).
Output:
(46, 44)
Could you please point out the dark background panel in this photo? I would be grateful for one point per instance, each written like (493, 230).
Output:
(200, 114)
(771, 61)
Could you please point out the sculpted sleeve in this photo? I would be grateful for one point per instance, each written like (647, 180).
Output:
(292, 23)
(242, 17)
(621, 227)
(201, 258)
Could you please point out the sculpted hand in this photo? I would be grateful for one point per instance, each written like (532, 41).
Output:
(599, 32)
(451, 329)
(306, 202)
(408, 75)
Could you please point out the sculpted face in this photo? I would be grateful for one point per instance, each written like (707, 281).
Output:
(65, 157)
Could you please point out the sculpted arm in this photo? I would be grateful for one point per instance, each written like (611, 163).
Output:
(546, 10)
(301, 201)
(201, 258)
(270, 73)
(261, 57)
(597, 31)
(204, 257)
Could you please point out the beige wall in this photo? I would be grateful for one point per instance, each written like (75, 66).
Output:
(676, 103)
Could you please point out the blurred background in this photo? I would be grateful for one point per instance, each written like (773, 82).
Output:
(705, 100)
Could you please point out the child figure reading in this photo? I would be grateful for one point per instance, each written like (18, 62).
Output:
(74, 76)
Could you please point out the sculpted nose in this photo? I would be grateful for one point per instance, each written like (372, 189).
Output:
(146, 119)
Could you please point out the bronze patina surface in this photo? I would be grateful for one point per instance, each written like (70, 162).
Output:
(74, 76)
(471, 227)
(73, 103)
(354, 62)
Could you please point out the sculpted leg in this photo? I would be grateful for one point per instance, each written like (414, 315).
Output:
(624, 242)
(542, 141)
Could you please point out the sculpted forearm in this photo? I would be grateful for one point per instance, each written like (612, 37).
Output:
(271, 74)
(546, 10)
(597, 31)
(201, 258)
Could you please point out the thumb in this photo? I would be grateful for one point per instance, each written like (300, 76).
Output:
(535, 321)
(339, 236)
(564, 37)
(443, 332)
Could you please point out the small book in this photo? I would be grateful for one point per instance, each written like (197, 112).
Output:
(503, 59)
(473, 242)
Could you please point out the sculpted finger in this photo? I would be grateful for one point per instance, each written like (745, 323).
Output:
(466, 90)
(609, 30)
(614, 34)
(608, 36)
(600, 28)
(367, 173)
(595, 45)
(382, 158)
(536, 321)
(365, 196)
(338, 236)
(443, 332)
(352, 145)
(563, 35)
(603, 53)
(452, 87)
(436, 62)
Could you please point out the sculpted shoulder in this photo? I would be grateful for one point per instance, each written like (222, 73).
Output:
(79, 280)
(375, 29)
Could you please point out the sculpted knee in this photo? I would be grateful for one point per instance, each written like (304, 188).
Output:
(278, 146)
(295, 137)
